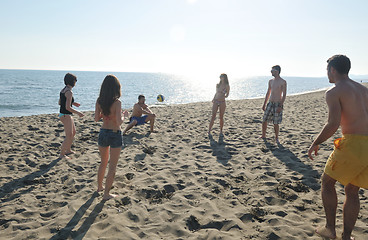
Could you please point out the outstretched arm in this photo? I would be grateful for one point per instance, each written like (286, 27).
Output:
(333, 123)
(146, 110)
(69, 96)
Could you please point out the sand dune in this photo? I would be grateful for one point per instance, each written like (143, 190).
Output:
(176, 184)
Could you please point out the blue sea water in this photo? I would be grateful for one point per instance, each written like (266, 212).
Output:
(32, 92)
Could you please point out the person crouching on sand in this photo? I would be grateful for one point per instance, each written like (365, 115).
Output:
(348, 163)
(138, 118)
(110, 141)
(66, 101)
(218, 102)
(276, 93)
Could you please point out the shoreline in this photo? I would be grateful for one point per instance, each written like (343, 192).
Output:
(179, 104)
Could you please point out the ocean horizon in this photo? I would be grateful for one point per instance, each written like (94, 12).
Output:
(34, 92)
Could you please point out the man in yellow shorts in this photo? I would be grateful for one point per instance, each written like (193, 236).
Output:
(347, 107)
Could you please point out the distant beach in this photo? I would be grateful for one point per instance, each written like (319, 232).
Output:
(175, 184)
(33, 92)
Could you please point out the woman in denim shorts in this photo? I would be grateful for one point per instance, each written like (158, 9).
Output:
(108, 107)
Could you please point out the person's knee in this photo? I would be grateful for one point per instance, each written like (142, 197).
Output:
(69, 134)
(351, 190)
(151, 117)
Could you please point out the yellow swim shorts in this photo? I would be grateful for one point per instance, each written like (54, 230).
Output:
(348, 163)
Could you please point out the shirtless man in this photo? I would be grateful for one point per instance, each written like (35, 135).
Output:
(347, 107)
(276, 93)
(138, 118)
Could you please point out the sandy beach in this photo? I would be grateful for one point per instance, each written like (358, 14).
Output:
(176, 184)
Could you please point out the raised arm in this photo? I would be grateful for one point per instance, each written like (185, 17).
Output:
(333, 123)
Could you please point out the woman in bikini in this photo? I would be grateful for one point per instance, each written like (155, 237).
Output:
(66, 101)
(108, 107)
(222, 92)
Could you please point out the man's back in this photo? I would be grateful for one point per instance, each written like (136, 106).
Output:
(353, 98)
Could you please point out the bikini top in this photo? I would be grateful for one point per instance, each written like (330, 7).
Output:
(224, 90)
(63, 102)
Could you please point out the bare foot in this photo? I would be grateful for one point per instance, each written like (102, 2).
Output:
(100, 189)
(153, 131)
(110, 196)
(262, 137)
(68, 153)
(326, 233)
(342, 237)
(64, 157)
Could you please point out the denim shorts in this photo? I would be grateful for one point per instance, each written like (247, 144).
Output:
(109, 137)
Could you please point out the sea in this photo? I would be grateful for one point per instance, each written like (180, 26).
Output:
(33, 92)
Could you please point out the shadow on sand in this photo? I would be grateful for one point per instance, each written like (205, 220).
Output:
(67, 232)
(29, 182)
(220, 150)
(310, 176)
(129, 138)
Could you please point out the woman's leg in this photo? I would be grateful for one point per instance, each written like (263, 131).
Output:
(214, 112)
(104, 153)
(68, 122)
(114, 157)
(69, 151)
(222, 112)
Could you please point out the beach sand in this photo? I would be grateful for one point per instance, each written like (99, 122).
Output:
(175, 184)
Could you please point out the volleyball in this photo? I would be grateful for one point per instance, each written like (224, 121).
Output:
(160, 98)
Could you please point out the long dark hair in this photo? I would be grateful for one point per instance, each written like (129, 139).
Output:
(109, 93)
(226, 80)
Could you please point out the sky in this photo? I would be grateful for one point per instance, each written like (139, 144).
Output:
(193, 37)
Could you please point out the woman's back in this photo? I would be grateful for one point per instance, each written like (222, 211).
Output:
(113, 120)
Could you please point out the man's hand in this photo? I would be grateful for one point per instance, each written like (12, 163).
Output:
(313, 148)
(264, 107)
(80, 114)
(279, 109)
